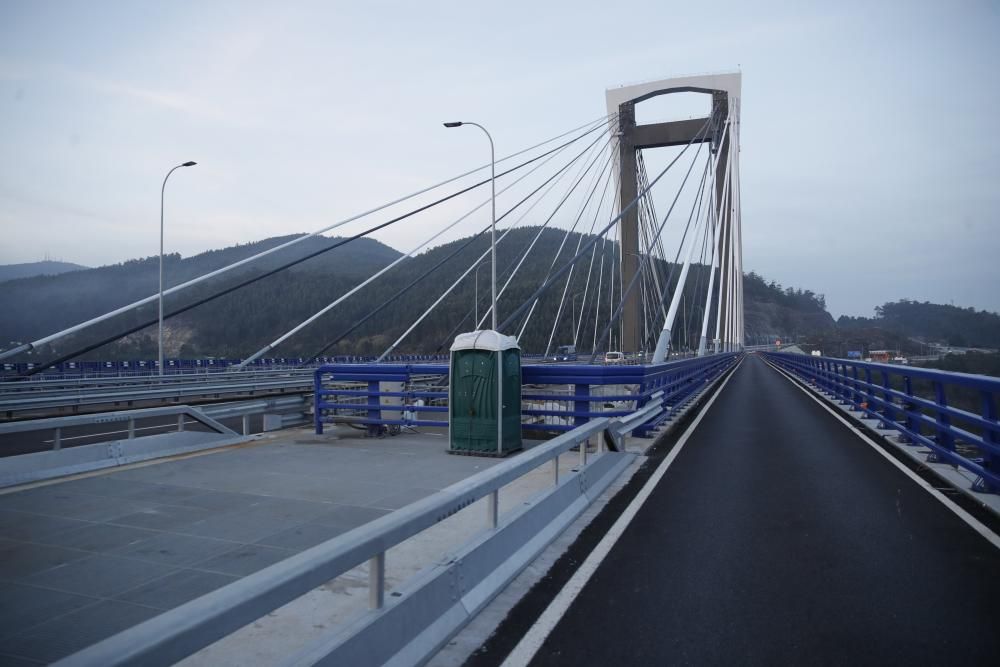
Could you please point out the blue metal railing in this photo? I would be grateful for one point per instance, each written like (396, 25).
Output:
(139, 367)
(919, 403)
(76, 369)
(554, 397)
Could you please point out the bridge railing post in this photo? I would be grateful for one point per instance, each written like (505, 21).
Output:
(376, 581)
(843, 385)
(909, 411)
(944, 436)
(581, 403)
(869, 390)
(374, 407)
(991, 460)
(888, 411)
(493, 508)
(317, 410)
(856, 393)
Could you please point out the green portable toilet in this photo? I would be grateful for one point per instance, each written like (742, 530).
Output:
(472, 404)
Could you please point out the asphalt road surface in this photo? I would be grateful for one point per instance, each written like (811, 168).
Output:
(779, 537)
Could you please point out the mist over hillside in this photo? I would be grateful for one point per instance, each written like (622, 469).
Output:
(31, 269)
(239, 323)
(932, 322)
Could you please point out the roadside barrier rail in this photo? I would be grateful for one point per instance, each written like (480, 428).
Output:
(555, 397)
(412, 623)
(123, 437)
(150, 367)
(954, 415)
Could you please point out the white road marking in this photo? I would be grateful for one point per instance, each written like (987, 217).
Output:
(973, 522)
(532, 641)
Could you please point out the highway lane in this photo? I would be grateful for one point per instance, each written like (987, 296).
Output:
(777, 536)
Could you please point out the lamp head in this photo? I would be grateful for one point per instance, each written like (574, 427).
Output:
(454, 124)
(189, 164)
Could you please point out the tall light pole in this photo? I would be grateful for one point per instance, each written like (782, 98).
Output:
(160, 319)
(493, 281)
(575, 325)
(476, 302)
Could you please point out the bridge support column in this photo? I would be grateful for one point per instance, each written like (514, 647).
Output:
(629, 226)
(725, 91)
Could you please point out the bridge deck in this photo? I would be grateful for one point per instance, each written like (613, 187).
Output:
(777, 536)
(83, 559)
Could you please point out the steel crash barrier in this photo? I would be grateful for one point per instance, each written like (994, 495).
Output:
(123, 439)
(954, 415)
(420, 615)
(150, 367)
(386, 397)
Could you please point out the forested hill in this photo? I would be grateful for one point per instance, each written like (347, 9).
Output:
(239, 323)
(932, 322)
(770, 309)
(42, 304)
(29, 269)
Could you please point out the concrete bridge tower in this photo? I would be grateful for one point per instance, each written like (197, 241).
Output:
(725, 92)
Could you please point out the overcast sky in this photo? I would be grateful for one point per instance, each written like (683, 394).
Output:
(870, 163)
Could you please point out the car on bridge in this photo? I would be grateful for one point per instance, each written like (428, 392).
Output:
(614, 358)
(565, 353)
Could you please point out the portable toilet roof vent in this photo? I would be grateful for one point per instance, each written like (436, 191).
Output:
(488, 339)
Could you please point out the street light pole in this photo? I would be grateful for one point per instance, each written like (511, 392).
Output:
(493, 281)
(163, 190)
(476, 304)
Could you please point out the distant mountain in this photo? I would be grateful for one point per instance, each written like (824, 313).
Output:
(773, 311)
(31, 269)
(44, 304)
(239, 323)
(932, 323)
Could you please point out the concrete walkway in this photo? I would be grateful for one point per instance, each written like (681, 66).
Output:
(83, 559)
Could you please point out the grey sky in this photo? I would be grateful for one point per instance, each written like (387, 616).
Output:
(870, 159)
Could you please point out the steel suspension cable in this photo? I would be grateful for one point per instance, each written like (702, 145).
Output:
(315, 316)
(632, 282)
(590, 268)
(511, 269)
(451, 255)
(447, 292)
(531, 246)
(271, 272)
(569, 276)
(589, 127)
(524, 306)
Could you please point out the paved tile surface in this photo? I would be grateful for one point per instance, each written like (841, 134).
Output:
(83, 559)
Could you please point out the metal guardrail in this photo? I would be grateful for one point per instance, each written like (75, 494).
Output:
(41, 387)
(188, 367)
(134, 446)
(417, 618)
(234, 385)
(892, 394)
(290, 410)
(673, 382)
(127, 417)
(408, 626)
(554, 397)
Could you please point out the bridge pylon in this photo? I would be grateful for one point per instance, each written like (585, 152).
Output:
(722, 133)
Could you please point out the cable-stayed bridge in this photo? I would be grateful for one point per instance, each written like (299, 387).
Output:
(744, 504)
